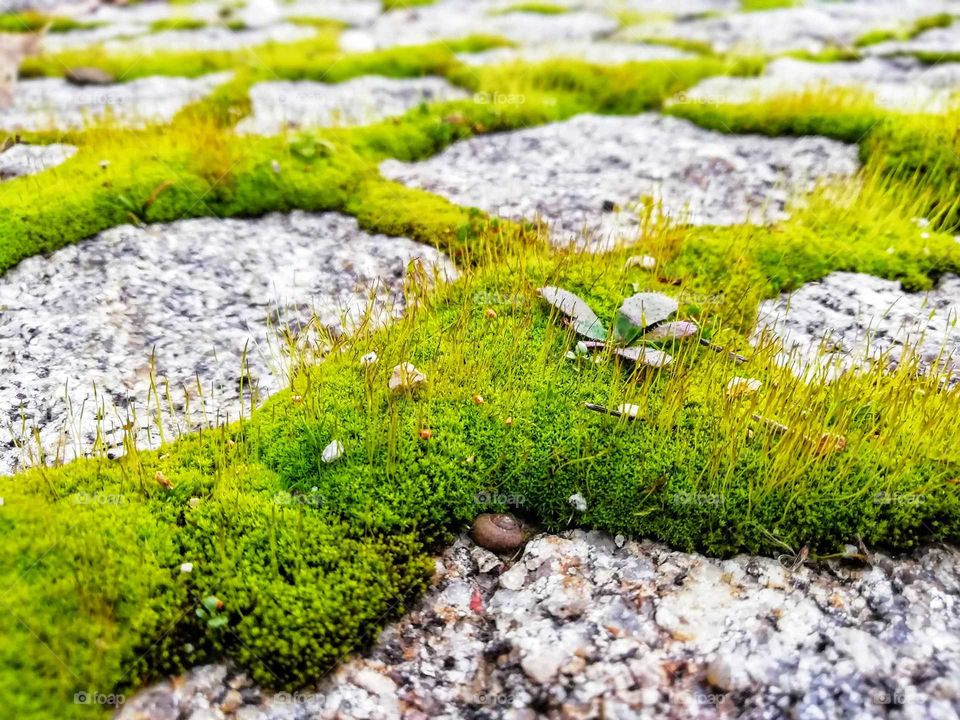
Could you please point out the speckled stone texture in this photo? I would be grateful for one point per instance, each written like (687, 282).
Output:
(194, 294)
(277, 106)
(896, 83)
(859, 318)
(573, 174)
(582, 625)
(53, 103)
(22, 159)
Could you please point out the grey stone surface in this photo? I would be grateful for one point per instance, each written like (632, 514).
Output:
(860, 319)
(193, 294)
(22, 159)
(812, 26)
(571, 173)
(53, 103)
(900, 83)
(587, 626)
(277, 106)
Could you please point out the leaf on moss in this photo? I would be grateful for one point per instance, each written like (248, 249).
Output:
(641, 312)
(645, 356)
(583, 319)
(677, 330)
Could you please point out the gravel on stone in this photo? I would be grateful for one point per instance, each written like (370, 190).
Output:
(583, 625)
(813, 26)
(594, 52)
(54, 103)
(23, 159)
(896, 83)
(858, 318)
(588, 177)
(193, 294)
(277, 106)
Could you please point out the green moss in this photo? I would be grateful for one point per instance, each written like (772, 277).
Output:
(400, 4)
(918, 26)
(29, 21)
(761, 5)
(177, 23)
(538, 8)
(686, 44)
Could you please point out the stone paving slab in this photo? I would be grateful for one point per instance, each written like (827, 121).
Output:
(574, 174)
(54, 103)
(278, 106)
(583, 625)
(859, 318)
(22, 159)
(195, 293)
(897, 84)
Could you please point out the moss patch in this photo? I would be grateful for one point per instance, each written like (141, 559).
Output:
(25, 22)
(909, 32)
(537, 8)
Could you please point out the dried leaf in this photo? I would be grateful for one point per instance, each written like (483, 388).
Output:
(645, 356)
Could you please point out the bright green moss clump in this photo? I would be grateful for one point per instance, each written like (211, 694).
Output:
(538, 8)
(177, 23)
(760, 5)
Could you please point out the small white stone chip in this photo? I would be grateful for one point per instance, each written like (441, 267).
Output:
(332, 452)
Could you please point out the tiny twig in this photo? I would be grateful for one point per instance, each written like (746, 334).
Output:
(778, 428)
(605, 411)
(717, 348)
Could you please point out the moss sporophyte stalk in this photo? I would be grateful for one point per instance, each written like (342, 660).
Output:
(299, 556)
